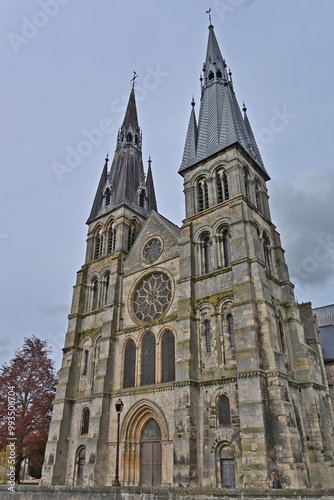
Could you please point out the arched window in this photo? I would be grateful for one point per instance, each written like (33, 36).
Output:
(258, 199)
(129, 137)
(80, 463)
(200, 198)
(95, 293)
(223, 412)
(224, 241)
(222, 186)
(225, 184)
(129, 365)
(206, 195)
(98, 244)
(231, 329)
(107, 196)
(111, 239)
(211, 75)
(227, 248)
(202, 195)
(219, 74)
(220, 197)
(85, 421)
(207, 333)
(132, 234)
(281, 335)
(85, 362)
(168, 357)
(205, 247)
(148, 359)
(246, 182)
(105, 288)
(266, 252)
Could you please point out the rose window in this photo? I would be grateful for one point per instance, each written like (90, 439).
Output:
(152, 296)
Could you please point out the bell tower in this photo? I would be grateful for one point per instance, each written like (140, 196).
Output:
(243, 324)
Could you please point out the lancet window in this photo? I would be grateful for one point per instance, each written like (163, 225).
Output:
(168, 357)
(202, 195)
(129, 365)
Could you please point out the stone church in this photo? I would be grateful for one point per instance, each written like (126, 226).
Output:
(195, 328)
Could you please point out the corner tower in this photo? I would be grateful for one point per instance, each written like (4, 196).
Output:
(78, 446)
(253, 352)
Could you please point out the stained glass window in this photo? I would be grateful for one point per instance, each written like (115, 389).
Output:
(168, 357)
(223, 411)
(152, 296)
(129, 365)
(148, 359)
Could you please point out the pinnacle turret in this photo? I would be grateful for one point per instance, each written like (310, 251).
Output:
(220, 123)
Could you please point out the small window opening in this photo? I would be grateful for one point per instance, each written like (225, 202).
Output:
(129, 137)
(226, 193)
(219, 74)
(85, 363)
(231, 329)
(108, 196)
(219, 188)
(85, 421)
(207, 335)
(211, 75)
(142, 197)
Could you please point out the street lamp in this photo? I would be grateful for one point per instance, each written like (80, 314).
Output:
(119, 407)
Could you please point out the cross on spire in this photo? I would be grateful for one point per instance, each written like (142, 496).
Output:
(133, 79)
(209, 12)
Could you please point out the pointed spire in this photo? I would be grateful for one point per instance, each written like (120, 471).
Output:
(220, 122)
(126, 176)
(150, 187)
(189, 154)
(130, 117)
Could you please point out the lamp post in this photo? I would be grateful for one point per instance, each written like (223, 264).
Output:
(119, 407)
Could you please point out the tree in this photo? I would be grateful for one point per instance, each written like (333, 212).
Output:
(27, 389)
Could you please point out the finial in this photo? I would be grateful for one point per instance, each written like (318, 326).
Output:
(209, 12)
(244, 109)
(193, 101)
(133, 79)
(107, 157)
(149, 161)
(201, 77)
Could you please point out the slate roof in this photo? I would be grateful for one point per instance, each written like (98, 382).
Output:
(220, 123)
(126, 177)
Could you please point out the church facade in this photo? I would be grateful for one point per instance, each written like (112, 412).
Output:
(196, 329)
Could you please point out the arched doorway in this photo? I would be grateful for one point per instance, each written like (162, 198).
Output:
(150, 454)
(81, 456)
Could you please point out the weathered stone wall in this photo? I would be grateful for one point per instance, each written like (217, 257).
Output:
(66, 493)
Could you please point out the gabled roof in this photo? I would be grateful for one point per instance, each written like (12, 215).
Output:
(220, 123)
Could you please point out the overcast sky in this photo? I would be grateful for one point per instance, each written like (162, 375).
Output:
(66, 70)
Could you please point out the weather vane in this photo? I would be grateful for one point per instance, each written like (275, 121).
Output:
(208, 12)
(133, 79)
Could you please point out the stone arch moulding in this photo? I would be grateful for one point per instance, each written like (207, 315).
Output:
(133, 424)
(137, 417)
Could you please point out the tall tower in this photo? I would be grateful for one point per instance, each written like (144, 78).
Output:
(195, 328)
(261, 383)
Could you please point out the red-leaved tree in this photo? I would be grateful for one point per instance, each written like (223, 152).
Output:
(27, 389)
